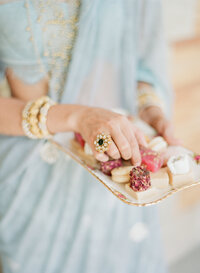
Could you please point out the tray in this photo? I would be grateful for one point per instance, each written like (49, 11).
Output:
(63, 142)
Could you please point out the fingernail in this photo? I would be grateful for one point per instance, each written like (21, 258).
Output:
(137, 164)
(101, 157)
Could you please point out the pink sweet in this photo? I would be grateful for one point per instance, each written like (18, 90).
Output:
(140, 178)
(79, 138)
(108, 166)
(151, 159)
(197, 158)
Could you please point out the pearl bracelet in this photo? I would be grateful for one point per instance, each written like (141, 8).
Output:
(34, 118)
(26, 126)
(42, 118)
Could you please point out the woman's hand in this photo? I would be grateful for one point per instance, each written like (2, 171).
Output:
(126, 138)
(154, 116)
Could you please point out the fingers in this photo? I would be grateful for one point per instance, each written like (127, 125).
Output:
(113, 151)
(135, 152)
(165, 129)
(122, 143)
(125, 142)
(101, 156)
(168, 134)
(158, 125)
(136, 156)
(140, 137)
(126, 139)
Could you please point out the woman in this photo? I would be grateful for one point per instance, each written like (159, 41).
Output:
(54, 217)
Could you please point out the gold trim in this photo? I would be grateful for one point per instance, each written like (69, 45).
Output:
(116, 192)
(57, 51)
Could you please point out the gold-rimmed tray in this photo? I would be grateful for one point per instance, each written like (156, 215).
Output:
(63, 142)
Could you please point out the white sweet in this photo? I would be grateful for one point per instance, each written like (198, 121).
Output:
(144, 127)
(141, 196)
(160, 179)
(157, 144)
(87, 149)
(179, 164)
(120, 111)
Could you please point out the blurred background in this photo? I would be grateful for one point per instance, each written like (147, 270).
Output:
(180, 215)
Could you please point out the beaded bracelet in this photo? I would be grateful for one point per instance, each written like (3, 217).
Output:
(147, 97)
(42, 118)
(26, 126)
(34, 118)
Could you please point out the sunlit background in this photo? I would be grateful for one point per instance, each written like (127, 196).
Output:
(180, 215)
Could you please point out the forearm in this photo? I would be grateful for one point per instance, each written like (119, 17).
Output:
(11, 116)
(61, 118)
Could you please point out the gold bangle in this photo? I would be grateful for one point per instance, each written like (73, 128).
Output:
(25, 124)
(147, 97)
(34, 118)
(36, 131)
(42, 118)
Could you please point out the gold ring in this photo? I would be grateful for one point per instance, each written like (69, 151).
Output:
(102, 142)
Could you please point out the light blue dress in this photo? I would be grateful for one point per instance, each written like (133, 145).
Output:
(57, 218)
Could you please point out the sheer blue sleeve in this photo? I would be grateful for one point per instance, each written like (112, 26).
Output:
(152, 61)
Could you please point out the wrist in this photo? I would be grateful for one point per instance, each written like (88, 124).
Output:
(151, 114)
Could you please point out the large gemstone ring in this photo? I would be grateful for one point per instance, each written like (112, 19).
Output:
(102, 142)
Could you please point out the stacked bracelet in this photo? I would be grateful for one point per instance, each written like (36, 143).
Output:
(147, 97)
(34, 118)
